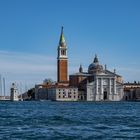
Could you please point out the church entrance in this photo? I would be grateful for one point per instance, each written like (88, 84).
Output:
(105, 95)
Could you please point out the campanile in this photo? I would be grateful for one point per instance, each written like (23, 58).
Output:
(62, 60)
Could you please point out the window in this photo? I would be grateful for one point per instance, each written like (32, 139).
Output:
(69, 94)
(59, 96)
(63, 52)
(105, 81)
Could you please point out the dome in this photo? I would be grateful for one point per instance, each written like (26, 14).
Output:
(95, 67)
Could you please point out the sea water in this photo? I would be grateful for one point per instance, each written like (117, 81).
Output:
(69, 120)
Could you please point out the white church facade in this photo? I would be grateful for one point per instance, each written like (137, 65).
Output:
(98, 84)
(105, 87)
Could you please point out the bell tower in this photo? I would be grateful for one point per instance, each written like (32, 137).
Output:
(62, 60)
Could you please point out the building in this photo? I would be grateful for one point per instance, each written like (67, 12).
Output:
(24, 96)
(60, 91)
(98, 84)
(14, 93)
(62, 60)
(4, 98)
(56, 93)
(132, 91)
(41, 91)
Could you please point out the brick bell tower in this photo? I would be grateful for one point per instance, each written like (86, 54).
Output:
(62, 60)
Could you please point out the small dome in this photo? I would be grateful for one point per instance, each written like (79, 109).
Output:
(95, 67)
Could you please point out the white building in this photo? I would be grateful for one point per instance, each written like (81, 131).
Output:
(56, 93)
(63, 94)
(103, 85)
(98, 84)
(14, 93)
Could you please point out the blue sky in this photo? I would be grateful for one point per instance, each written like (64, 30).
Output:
(30, 30)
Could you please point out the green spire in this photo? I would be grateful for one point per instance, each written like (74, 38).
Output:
(62, 41)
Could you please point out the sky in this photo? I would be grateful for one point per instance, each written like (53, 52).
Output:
(30, 31)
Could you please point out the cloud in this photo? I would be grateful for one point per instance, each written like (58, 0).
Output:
(21, 63)
(26, 68)
(132, 70)
(130, 73)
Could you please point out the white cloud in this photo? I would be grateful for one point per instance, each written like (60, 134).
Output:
(130, 73)
(27, 69)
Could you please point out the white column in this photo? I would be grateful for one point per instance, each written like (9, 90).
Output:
(101, 94)
(109, 85)
(101, 86)
(114, 85)
(110, 93)
(97, 93)
(96, 85)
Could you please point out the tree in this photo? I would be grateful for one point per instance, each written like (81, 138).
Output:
(31, 93)
(48, 81)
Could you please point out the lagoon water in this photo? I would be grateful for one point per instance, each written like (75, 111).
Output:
(69, 120)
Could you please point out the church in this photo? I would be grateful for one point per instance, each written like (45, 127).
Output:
(96, 84)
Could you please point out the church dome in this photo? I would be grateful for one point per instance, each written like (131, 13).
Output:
(95, 67)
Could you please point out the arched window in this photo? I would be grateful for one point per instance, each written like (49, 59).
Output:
(63, 52)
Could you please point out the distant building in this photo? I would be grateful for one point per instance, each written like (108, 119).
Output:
(23, 96)
(56, 93)
(41, 91)
(14, 93)
(98, 84)
(132, 91)
(3, 98)
(62, 93)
